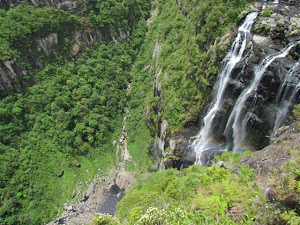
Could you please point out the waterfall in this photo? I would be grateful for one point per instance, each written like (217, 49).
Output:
(266, 4)
(201, 143)
(286, 95)
(231, 117)
(237, 120)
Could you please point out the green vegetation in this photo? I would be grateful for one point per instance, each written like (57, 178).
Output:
(267, 12)
(20, 27)
(296, 112)
(75, 110)
(205, 194)
(59, 133)
(73, 116)
(113, 15)
(213, 195)
(178, 51)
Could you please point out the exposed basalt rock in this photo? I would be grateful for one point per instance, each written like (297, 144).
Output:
(47, 44)
(70, 5)
(9, 72)
(272, 158)
(180, 154)
(283, 23)
(269, 166)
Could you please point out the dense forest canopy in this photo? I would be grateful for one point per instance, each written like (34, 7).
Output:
(72, 112)
(152, 61)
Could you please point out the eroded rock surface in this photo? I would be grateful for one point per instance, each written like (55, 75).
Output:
(272, 158)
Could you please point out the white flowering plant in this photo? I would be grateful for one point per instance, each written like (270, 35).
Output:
(155, 216)
(105, 219)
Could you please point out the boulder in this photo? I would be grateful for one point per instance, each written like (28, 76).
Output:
(90, 190)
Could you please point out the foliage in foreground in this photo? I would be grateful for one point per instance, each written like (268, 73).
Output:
(207, 194)
(213, 195)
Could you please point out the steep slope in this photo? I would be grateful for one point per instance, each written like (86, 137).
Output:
(213, 195)
(255, 96)
(175, 71)
(32, 38)
(127, 100)
(57, 135)
(259, 189)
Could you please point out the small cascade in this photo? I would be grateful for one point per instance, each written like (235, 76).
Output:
(237, 120)
(202, 143)
(266, 4)
(160, 144)
(286, 95)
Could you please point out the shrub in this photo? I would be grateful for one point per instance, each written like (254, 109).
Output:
(268, 11)
(154, 216)
(103, 219)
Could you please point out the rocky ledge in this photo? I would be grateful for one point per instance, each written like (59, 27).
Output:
(272, 158)
(71, 5)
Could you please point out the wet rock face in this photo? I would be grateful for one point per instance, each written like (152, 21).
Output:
(272, 33)
(180, 154)
(70, 5)
(209, 155)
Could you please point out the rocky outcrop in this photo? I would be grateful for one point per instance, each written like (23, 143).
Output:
(9, 72)
(282, 22)
(71, 5)
(179, 153)
(273, 169)
(12, 71)
(272, 158)
(83, 211)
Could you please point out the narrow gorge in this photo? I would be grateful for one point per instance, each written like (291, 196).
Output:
(149, 112)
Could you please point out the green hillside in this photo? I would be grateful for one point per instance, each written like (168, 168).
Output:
(58, 133)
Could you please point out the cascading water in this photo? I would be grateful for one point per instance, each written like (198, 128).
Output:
(202, 143)
(286, 95)
(235, 99)
(267, 4)
(237, 119)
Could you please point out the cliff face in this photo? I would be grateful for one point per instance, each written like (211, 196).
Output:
(12, 71)
(274, 29)
(43, 44)
(71, 6)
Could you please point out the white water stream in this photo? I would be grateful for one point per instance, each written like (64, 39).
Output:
(236, 124)
(286, 95)
(201, 143)
(237, 119)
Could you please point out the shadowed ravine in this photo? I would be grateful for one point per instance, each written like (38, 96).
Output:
(114, 195)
